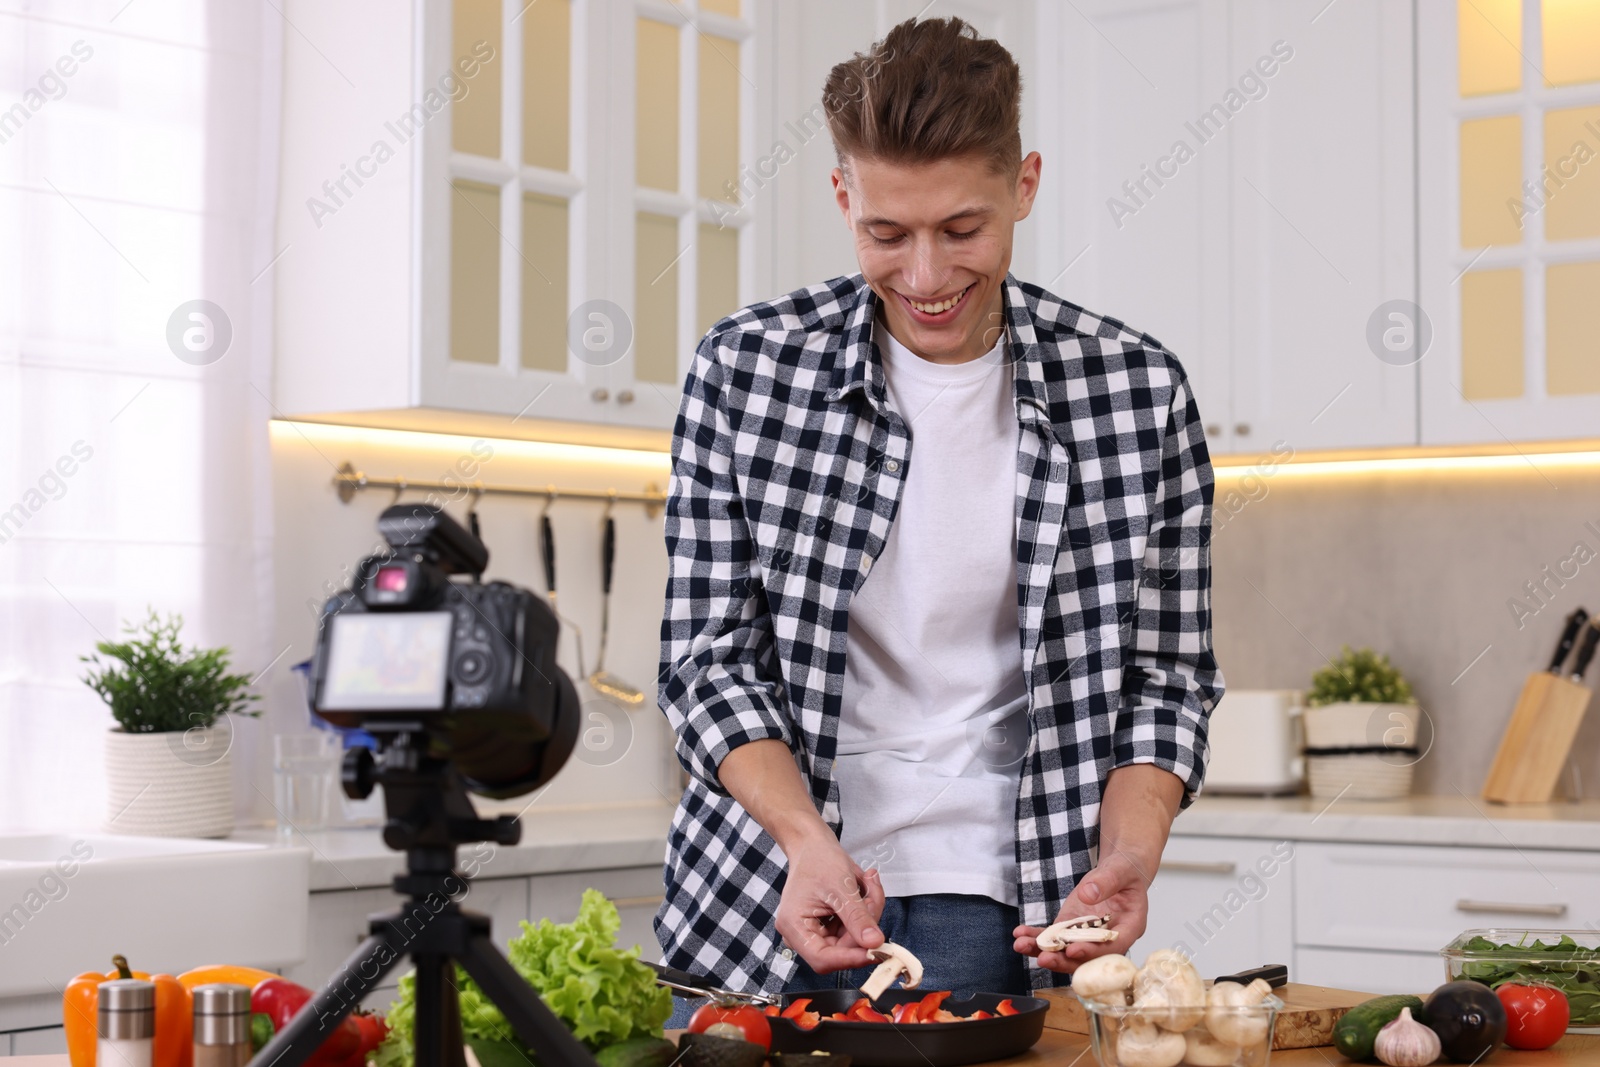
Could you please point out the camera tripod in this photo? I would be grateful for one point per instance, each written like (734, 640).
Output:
(428, 817)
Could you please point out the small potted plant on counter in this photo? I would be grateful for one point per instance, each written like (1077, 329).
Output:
(167, 760)
(1360, 728)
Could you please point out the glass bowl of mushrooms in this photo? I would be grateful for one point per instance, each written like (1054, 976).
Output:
(1163, 1014)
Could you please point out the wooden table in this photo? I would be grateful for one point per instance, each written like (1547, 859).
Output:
(1057, 1048)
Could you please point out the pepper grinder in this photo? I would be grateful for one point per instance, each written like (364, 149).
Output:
(221, 1025)
(127, 1023)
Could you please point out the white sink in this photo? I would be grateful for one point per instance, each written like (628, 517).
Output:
(69, 902)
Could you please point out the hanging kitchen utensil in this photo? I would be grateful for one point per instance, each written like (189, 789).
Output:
(604, 682)
(1539, 737)
(547, 550)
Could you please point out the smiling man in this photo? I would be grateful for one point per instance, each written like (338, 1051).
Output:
(937, 640)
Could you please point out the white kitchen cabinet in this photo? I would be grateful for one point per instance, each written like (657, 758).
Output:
(1237, 176)
(338, 923)
(1323, 223)
(46, 1041)
(1224, 902)
(1132, 233)
(418, 281)
(1403, 899)
(1368, 972)
(1509, 228)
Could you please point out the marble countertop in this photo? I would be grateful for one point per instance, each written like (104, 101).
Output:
(554, 840)
(1452, 820)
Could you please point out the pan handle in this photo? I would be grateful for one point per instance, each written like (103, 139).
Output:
(684, 984)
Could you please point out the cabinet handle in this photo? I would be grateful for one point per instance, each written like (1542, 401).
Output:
(638, 902)
(1213, 429)
(625, 397)
(1195, 867)
(1549, 911)
(600, 396)
(1242, 429)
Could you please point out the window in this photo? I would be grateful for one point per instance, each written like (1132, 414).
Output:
(1527, 240)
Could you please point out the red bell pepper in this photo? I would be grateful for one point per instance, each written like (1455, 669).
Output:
(281, 1000)
(1005, 1007)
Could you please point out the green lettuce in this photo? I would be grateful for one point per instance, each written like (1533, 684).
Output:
(602, 992)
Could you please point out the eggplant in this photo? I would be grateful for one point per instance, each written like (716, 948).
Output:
(1469, 1019)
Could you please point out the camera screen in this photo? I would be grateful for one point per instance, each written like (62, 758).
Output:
(382, 661)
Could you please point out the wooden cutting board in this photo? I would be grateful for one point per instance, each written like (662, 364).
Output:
(1306, 1021)
(1538, 738)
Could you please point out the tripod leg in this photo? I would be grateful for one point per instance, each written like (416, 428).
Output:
(538, 1027)
(438, 1031)
(312, 1025)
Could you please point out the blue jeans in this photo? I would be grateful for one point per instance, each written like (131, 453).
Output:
(964, 943)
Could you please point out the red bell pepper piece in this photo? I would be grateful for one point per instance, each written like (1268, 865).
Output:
(980, 1014)
(1005, 1007)
(771, 1009)
(907, 1012)
(930, 1004)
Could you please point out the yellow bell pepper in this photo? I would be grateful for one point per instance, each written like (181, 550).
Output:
(174, 1040)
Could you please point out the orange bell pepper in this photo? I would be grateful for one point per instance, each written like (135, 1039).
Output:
(174, 1040)
(224, 972)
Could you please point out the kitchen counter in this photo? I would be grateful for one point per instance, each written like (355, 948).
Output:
(1453, 820)
(553, 841)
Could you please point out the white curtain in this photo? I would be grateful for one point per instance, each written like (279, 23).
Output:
(138, 158)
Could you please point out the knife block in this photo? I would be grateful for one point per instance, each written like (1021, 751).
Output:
(1537, 740)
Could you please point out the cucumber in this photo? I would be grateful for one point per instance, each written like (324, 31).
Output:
(1354, 1034)
(638, 1052)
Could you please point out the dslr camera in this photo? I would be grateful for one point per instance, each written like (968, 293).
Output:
(420, 645)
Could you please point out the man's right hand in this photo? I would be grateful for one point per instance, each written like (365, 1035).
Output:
(830, 907)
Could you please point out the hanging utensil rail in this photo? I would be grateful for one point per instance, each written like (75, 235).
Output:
(349, 481)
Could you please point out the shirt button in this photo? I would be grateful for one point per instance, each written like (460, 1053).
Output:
(892, 466)
(787, 953)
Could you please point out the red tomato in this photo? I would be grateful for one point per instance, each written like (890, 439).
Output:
(743, 1022)
(1536, 1015)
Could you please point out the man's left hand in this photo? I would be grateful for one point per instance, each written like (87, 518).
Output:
(1117, 887)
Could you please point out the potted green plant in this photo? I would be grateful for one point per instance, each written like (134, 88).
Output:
(167, 758)
(1360, 728)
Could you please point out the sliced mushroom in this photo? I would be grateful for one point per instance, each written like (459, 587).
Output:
(1169, 992)
(896, 963)
(1105, 979)
(1143, 1045)
(1057, 936)
(1229, 1016)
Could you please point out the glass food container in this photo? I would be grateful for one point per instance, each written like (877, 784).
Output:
(1568, 960)
(1130, 1037)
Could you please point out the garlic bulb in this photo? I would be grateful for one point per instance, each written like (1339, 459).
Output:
(1406, 1043)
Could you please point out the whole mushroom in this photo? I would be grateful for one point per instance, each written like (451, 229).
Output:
(1228, 1016)
(1143, 1045)
(1168, 991)
(1105, 979)
(1206, 1051)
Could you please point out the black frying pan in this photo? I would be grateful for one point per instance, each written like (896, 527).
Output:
(914, 1044)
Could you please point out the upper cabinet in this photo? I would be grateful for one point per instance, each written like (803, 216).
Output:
(1238, 179)
(1509, 137)
(529, 212)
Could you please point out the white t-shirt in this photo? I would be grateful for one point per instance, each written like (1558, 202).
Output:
(934, 711)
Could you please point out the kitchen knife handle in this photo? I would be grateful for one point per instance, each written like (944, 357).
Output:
(1274, 974)
(608, 554)
(1569, 637)
(548, 550)
(1591, 638)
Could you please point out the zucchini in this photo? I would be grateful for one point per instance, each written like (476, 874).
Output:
(1354, 1034)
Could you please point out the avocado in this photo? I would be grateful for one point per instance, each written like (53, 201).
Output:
(638, 1052)
(708, 1050)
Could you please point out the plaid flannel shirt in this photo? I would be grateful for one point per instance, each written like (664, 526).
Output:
(788, 463)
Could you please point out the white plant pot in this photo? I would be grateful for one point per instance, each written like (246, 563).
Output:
(177, 784)
(1358, 774)
(1352, 725)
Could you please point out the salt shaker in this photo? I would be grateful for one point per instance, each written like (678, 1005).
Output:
(127, 1023)
(221, 1025)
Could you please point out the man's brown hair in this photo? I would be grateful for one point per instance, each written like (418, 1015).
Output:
(930, 90)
